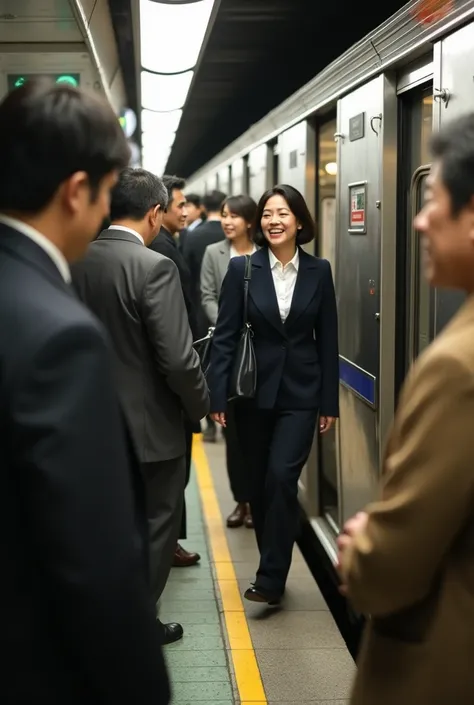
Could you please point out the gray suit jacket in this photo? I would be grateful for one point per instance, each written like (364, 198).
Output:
(137, 295)
(213, 270)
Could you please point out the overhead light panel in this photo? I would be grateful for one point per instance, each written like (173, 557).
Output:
(161, 122)
(165, 93)
(157, 140)
(171, 36)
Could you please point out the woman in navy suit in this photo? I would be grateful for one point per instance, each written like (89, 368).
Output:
(292, 311)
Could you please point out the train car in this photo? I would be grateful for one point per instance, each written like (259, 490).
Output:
(355, 141)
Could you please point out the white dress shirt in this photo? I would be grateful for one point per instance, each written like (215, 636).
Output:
(127, 230)
(234, 253)
(46, 245)
(284, 279)
(192, 226)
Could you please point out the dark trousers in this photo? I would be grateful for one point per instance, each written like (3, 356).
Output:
(188, 429)
(164, 482)
(276, 445)
(237, 468)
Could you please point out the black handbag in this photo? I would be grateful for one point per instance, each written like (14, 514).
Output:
(203, 349)
(243, 380)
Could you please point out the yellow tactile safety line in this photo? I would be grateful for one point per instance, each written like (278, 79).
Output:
(247, 673)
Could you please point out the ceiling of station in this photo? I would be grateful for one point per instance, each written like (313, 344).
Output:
(259, 52)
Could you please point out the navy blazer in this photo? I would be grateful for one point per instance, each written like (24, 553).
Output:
(297, 361)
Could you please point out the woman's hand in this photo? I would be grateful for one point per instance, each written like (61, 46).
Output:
(219, 417)
(325, 423)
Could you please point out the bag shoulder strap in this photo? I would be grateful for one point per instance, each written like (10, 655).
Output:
(247, 278)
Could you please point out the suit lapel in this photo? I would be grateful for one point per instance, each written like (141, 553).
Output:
(306, 284)
(262, 289)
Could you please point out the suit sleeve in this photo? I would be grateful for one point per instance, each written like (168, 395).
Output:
(328, 348)
(209, 295)
(226, 334)
(75, 487)
(427, 494)
(165, 316)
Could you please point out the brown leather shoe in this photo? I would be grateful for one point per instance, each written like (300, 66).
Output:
(184, 559)
(248, 521)
(237, 517)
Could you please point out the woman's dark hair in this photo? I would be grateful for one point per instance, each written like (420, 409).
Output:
(243, 206)
(297, 206)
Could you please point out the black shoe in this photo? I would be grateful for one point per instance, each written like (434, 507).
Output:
(209, 434)
(256, 594)
(170, 632)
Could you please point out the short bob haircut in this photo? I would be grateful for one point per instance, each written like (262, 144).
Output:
(297, 206)
(243, 206)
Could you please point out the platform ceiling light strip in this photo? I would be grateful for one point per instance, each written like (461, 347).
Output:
(158, 140)
(165, 93)
(164, 122)
(171, 36)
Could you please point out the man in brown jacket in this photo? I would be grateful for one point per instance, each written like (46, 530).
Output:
(407, 562)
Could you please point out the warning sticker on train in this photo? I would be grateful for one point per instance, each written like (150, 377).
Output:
(357, 207)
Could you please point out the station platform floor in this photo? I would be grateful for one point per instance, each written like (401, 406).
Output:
(235, 652)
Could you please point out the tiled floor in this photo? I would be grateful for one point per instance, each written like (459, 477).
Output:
(300, 653)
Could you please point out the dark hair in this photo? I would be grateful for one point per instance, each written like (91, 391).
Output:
(47, 133)
(136, 192)
(297, 206)
(212, 201)
(171, 183)
(242, 205)
(453, 146)
(194, 199)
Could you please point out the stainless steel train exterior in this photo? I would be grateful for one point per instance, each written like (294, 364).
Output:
(355, 142)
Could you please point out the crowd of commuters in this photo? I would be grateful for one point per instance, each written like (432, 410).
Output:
(102, 390)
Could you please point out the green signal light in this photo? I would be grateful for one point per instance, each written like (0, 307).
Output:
(20, 81)
(67, 79)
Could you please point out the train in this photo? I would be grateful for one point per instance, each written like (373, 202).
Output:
(355, 142)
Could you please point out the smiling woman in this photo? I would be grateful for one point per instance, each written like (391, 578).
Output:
(293, 318)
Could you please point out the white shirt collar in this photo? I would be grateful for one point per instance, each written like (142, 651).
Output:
(46, 245)
(194, 224)
(127, 230)
(274, 262)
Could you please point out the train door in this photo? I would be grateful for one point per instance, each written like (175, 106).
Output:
(416, 301)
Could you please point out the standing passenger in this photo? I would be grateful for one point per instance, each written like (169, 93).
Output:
(136, 293)
(77, 619)
(193, 218)
(238, 215)
(174, 219)
(292, 311)
(408, 562)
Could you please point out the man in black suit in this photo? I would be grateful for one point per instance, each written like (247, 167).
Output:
(194, 218)
(136, 293)
(174, 219)
(77, 617)
(194, 248)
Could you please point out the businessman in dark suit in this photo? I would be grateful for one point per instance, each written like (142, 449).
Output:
(174, 220)
(78, 621)
(136, 293)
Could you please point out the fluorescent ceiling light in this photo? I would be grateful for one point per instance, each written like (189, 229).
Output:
(154, 162)
(156, 140)
(331, 168)
(165, 93)
(171, 36)
(166, 122)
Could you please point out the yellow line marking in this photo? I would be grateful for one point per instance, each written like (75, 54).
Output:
(247, 673)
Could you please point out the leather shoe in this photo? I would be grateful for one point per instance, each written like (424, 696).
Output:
(248, 521)
(184, 559)
(255, 594)
(237, 517)
(170, 632)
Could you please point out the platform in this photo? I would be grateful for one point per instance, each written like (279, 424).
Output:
(235, 652)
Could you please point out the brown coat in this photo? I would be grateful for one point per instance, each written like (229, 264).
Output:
(412, 569)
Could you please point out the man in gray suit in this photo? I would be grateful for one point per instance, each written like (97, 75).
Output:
(137, 294)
